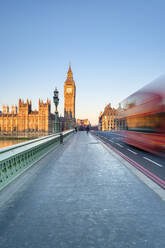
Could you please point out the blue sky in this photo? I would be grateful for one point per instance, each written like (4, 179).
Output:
(115, 47)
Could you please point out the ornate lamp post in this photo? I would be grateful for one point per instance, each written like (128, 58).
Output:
(56, 102)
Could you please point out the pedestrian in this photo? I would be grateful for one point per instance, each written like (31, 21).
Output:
(87, 129)
(61, 138)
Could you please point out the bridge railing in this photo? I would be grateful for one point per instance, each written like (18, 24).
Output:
(16, 159)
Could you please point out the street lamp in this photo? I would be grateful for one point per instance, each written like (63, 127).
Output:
(56, 102)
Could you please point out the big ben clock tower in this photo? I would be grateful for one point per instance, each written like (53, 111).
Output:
(69, 97)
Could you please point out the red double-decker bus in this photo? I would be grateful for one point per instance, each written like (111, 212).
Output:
(142, 118)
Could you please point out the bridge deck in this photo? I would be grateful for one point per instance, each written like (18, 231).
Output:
(80, 195)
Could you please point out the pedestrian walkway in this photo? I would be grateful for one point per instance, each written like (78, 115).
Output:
(81, 196)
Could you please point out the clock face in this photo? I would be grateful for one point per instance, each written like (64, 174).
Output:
(69, 90)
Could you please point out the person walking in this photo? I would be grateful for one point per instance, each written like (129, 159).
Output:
(87, 129)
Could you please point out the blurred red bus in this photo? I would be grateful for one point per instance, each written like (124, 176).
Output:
(142, 118)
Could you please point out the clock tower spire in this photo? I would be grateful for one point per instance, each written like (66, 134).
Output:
(70, 74)
(69, 97)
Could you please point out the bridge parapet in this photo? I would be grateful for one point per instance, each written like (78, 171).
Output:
(16, 159)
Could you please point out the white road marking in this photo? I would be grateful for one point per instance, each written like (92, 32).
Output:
(118, 144)
(153, 162)
(117, 134)
(132, 151)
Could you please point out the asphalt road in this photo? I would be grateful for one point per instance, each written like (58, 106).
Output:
(81, 196)
(152, 163)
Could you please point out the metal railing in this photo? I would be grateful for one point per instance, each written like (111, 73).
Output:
(16, 159)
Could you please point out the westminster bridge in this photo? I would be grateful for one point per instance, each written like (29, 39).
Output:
(71, 191)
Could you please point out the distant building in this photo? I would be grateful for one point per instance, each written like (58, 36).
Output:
(26, 120)
(82, 124)
(108, 119)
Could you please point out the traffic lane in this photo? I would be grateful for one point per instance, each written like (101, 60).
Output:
(152, 158)
(151, 162)
(117, 138)
(158, 160)
(130, 151)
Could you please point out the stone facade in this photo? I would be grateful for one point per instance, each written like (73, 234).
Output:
(25, 120)
(108, 119)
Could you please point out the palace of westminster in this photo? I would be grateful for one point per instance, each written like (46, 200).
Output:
(24, 121)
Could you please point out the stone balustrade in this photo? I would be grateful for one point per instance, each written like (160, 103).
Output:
(14, 160)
